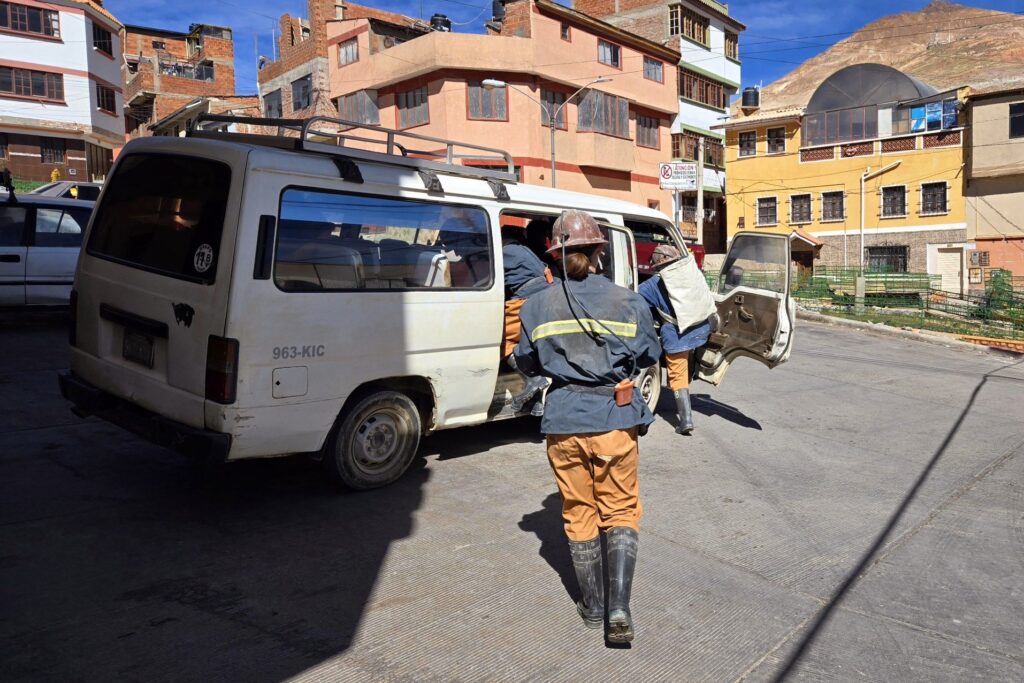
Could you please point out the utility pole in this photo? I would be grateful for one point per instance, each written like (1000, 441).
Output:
(700, 191)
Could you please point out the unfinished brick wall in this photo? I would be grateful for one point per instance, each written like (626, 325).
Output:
(518, 18)
(601, 8)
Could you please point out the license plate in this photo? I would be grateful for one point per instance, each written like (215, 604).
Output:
(138, 348)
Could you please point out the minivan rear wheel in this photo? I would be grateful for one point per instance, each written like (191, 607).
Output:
(649, 384)
(375, 441)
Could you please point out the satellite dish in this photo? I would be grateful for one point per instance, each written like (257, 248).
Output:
(261, 62)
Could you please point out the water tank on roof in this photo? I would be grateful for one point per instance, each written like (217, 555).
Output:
(751, 98)
(440, 22)
(497, 10)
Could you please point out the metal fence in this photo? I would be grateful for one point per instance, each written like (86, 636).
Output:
(916, 299)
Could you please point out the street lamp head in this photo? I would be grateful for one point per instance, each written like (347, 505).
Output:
(602, 79)
(490, 83)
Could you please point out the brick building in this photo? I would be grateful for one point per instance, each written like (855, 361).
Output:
(707, 39)
(296, 84)
(609, 134)
(166, 70)
(183, 119)
(60, 86)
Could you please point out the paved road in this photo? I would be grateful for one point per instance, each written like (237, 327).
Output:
(118, 561)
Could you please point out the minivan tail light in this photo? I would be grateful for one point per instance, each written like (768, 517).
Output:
(73, 318)
(221, 369)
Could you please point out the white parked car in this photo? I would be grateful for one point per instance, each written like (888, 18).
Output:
(40, 238)
(245, 296)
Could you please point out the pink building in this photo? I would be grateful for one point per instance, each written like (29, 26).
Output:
(609, 139)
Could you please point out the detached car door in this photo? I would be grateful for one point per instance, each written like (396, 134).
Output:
(756, 313)
(13, 253)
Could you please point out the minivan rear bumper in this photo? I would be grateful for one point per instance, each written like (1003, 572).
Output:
(89, 400)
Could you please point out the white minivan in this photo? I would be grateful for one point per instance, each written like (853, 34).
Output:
(244, 296)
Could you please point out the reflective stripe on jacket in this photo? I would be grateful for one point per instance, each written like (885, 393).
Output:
(583, 371)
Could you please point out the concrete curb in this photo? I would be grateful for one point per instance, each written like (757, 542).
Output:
(913, 335)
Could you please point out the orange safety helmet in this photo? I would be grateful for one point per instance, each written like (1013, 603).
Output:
(574, 229)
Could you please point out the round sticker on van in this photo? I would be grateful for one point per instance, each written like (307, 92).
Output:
(203, 258)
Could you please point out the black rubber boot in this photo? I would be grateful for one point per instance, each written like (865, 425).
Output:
(534, 385)
(622, 547)
(684, 411)
(586, 560)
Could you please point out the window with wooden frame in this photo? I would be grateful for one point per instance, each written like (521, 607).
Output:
(732, 46)
(486, 104)
(934, 199)
(348, 51)
(102, 40)
(609, 53)
(647, 132)
(685, 22)
(767, 211)
(106, 100)
(776, 140)
(799, 208)
(894, 201)
(600, 112)
(702, 89)
(31, 20)
(654, 70)
(748, 143)
(412, 106)
(40, 85)
(833, 206)
(565, 31)
(1017, 120)
(714, 153)
(360, 107)
(553, 104)
(52, 151)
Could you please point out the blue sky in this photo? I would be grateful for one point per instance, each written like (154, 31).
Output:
(780, 33)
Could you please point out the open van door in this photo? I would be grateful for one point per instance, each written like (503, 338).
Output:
(755, 311)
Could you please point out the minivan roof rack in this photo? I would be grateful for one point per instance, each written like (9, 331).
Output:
(377, 144)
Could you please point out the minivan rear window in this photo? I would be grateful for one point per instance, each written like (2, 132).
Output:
(164, 213)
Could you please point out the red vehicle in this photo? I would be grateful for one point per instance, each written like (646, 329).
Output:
(647, 241)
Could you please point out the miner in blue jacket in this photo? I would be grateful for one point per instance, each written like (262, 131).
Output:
(677, 344)
(587, 334)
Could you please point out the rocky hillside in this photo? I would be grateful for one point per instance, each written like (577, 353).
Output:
(945, 45)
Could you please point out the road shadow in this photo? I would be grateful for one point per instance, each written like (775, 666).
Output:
(547, 525)
(457, 443)
(146, 568)
(705, 405)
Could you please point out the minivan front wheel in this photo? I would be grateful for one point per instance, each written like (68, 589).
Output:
(375, 442)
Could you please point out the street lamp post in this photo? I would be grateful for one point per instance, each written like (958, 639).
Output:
(491, 83)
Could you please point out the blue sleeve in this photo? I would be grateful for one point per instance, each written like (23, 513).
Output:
(649, 290)
(648, 351)
(525, 353)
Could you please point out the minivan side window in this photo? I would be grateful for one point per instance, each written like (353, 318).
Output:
(164, 213)
(340, 241)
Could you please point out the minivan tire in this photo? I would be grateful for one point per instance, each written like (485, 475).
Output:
(649, 384)
(374, 442)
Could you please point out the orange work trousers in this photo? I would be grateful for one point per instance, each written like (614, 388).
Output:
(513, 326)
(597, 477)
(678, 370)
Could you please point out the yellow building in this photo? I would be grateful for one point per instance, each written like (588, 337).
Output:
(869, 172)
